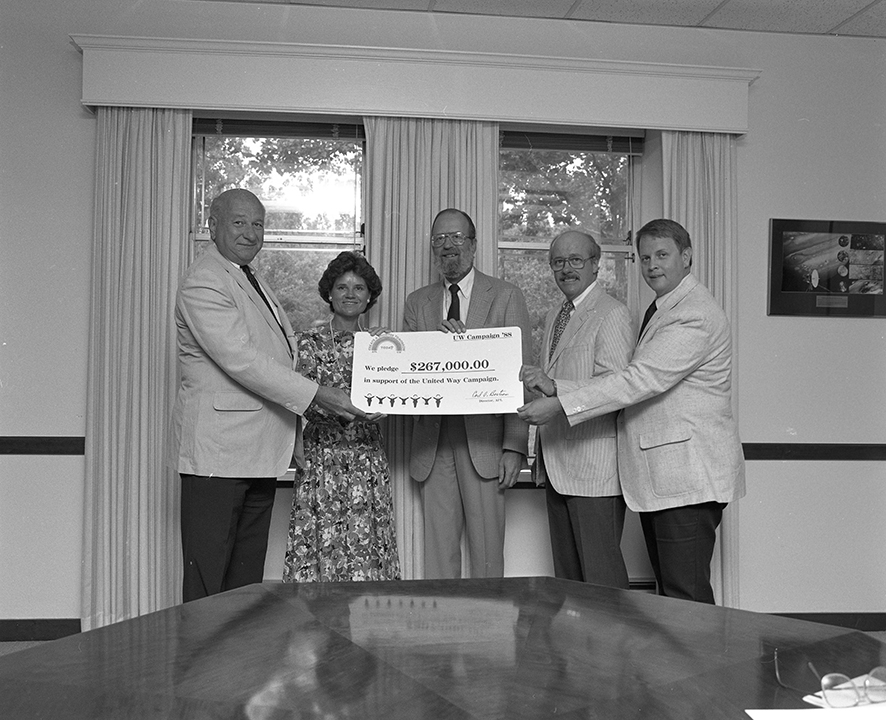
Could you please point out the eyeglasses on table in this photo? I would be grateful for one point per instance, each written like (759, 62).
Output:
(837, 689)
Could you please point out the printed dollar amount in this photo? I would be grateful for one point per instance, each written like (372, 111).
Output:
(436, 366)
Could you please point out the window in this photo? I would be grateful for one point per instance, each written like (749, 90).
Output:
(309, 179)
(549, 183)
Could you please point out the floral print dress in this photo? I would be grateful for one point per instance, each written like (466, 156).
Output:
(342, 522)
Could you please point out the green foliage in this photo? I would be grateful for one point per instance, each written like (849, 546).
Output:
(294, 275)
(543, 192)
(269, 167)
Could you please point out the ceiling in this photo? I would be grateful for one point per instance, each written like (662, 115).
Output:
(861, 18)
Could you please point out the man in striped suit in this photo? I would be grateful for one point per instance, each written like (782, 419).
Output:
(590, 334)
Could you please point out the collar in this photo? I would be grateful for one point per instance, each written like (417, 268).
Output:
(584, 296)
(465, 285)
(660, 301)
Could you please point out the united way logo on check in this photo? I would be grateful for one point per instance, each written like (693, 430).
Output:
(436, 373)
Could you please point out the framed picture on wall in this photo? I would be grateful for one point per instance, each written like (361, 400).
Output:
(826, 267)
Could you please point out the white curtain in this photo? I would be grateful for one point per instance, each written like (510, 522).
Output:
(414, 169)
(131, 549)
(699, 172)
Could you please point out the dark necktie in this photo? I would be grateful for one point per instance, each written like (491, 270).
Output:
(560, 325)
(252, 281)
(454, 309)
(650, 311)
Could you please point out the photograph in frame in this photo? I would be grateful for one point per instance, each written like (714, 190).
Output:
(826, 268)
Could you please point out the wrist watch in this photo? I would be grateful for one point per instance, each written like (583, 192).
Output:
(554, 393)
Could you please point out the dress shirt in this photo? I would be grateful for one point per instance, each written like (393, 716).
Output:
(465, 286)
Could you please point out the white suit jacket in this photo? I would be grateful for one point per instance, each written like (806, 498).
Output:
(581, 459)
(678, 441)
(239, 399)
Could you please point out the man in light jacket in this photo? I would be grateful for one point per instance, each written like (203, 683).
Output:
(679, 454)
(236, 419)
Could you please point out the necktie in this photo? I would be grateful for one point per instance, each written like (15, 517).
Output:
(252, 281)
(454, 309)
(650, 311)
(560, 325)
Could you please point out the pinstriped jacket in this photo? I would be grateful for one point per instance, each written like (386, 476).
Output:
(599, 338)
(678, 441)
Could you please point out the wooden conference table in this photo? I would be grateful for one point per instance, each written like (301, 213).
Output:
(512, 648)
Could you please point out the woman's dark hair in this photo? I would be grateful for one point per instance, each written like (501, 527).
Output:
(345, 262)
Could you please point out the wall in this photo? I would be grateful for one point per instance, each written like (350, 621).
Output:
(807, 530)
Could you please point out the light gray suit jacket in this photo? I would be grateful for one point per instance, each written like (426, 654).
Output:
(238, 405)
(494, 303)
(581, 459)
(678, 442)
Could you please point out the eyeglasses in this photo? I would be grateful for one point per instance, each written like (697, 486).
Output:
(841, 691)
(456, 238)
(576, 263)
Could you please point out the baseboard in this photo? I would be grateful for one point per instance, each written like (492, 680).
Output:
(866, 622)
(29, 630)
(644, 585)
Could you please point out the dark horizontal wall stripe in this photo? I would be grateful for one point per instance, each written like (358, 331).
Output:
(37, 445)
(866, 622)
(813, 451)
(56, 445)
(30, 630)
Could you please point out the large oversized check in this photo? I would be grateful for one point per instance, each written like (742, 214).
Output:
(476, 372)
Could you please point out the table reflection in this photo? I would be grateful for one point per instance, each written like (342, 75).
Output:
(512, 648)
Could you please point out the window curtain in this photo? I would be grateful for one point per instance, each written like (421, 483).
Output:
(699, 179)
(131, 550)
(414, 169)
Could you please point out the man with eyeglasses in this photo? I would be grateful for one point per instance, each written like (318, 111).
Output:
(591, 334)
(679, 455)
(465, 462)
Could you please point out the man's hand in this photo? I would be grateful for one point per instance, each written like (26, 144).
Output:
(452, 326)
(540, 410)
(509, 468)
(534, 380)
(337, 402)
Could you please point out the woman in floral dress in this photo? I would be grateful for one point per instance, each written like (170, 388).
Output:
(342, 523)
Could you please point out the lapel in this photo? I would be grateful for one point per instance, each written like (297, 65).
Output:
(432, 310)
(239, 277)
(481, 301)
(581, 315)
(685, 287)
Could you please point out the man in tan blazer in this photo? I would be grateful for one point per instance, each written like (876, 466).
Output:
(465, 462)
(679, 454)
(591, 334)
(236, 416)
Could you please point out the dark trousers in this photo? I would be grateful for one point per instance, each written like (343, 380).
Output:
(586, 537)
(224, 529)
(680, 542)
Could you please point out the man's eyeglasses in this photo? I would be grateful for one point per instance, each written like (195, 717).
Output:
(841, 691)
(576, 263)
(456, 238)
